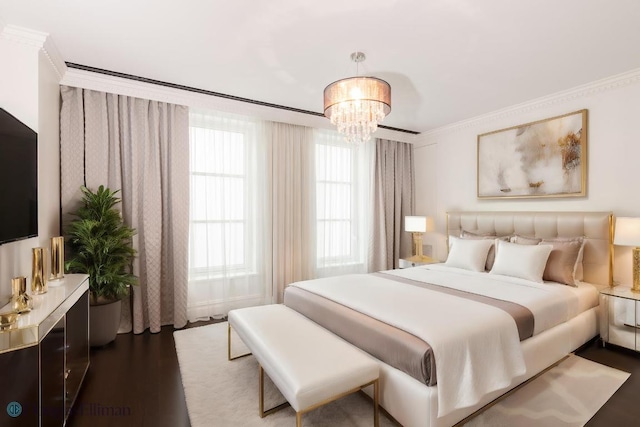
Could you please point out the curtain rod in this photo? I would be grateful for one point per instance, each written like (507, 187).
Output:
(208, 92)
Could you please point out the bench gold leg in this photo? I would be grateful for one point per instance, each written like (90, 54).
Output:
(376, 397)
(229, 341)
(264, 413)
(261, 392)
(229, 345)
(376, 401)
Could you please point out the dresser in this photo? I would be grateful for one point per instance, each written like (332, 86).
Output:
(44, 357)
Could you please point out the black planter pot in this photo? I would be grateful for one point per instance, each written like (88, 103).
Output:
(104, 321)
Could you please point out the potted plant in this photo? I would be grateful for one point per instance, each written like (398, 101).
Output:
(101, 246)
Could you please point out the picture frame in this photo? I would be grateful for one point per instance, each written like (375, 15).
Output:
(546, 158)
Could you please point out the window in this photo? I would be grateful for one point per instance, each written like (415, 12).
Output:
(218, 183)
(334, 204)
(223, 206)
(342, 185)
(232, 253)
(227, 266)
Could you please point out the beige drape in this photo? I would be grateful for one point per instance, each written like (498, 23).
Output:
(292, 171)
(393, 198)
(142, 148)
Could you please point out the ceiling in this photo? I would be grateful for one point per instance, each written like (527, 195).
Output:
(446, 60)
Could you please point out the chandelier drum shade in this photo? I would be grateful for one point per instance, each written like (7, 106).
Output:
(356, 105)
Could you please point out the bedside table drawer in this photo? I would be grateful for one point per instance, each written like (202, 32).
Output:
(620, 317)
(407, 263)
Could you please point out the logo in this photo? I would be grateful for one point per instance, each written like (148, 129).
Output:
(14, 409)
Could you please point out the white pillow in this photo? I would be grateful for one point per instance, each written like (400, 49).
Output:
(468, 254)
(523, 261)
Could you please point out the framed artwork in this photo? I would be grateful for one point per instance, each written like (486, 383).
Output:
(547, 158)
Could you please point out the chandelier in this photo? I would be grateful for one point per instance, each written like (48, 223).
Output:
(356, 105)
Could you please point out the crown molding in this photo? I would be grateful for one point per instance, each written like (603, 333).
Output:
(122, 86)
(55, 58)
(38, 40)
(609, 83)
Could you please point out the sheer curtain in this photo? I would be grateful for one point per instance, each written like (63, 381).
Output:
(230, 219)
(343, 204)
(272, 204)
(291, 166)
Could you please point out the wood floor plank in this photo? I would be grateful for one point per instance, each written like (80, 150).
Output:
(134, 381)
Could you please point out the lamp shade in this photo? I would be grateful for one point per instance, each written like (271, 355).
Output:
(627, 232)
(355, 89)
(418, 224)
(356, 105)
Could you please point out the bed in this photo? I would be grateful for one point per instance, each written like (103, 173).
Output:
(532, 325)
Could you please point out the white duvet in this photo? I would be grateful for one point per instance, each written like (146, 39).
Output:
(475, 345)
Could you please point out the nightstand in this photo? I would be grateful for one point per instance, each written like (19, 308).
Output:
(411, 262)
(620, 317)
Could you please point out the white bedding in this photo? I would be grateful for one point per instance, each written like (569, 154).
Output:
(473, 358)
(551, 303)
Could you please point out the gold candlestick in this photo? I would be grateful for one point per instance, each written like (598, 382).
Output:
(57, 258)
(21, 302)
(38, 277)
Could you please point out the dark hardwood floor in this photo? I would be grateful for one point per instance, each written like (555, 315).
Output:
(623, 408)
(135, 381)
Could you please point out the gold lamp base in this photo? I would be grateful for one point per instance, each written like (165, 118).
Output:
(421, 259)
(636, 270)
(417, 250)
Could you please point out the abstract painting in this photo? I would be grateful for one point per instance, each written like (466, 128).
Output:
(547, 158)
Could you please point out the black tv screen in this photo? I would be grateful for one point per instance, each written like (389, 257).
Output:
(18, 179)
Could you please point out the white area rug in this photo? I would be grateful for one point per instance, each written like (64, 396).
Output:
(566, 395)
(225, 393)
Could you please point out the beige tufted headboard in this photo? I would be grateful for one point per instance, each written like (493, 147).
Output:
(596, 227)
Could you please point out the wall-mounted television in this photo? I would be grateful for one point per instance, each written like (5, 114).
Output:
(18, 179)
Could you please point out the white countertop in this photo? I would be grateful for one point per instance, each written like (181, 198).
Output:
(48, 308)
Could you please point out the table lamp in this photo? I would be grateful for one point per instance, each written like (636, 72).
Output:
(627, 233)
(417, 226)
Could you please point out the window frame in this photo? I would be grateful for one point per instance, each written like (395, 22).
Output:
(354, 257)
(249, 264)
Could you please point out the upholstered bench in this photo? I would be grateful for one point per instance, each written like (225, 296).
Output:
(310, 366)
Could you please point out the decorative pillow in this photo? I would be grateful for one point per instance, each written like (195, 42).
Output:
(577, 271)
(562, 261)
(491, 256)
(476, 233)
(523, 261)
(470, 254)
(524, 240)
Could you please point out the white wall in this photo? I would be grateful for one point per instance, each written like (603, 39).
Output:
(446, 158)
(48, 151)
(29, 90)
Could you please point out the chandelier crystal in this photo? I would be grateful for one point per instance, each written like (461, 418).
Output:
(356, 105)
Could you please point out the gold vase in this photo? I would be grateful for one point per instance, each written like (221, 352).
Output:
(20, 301)
(57, 258)
(38, 277)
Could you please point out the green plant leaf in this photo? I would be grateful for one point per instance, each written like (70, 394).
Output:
(101, 245)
